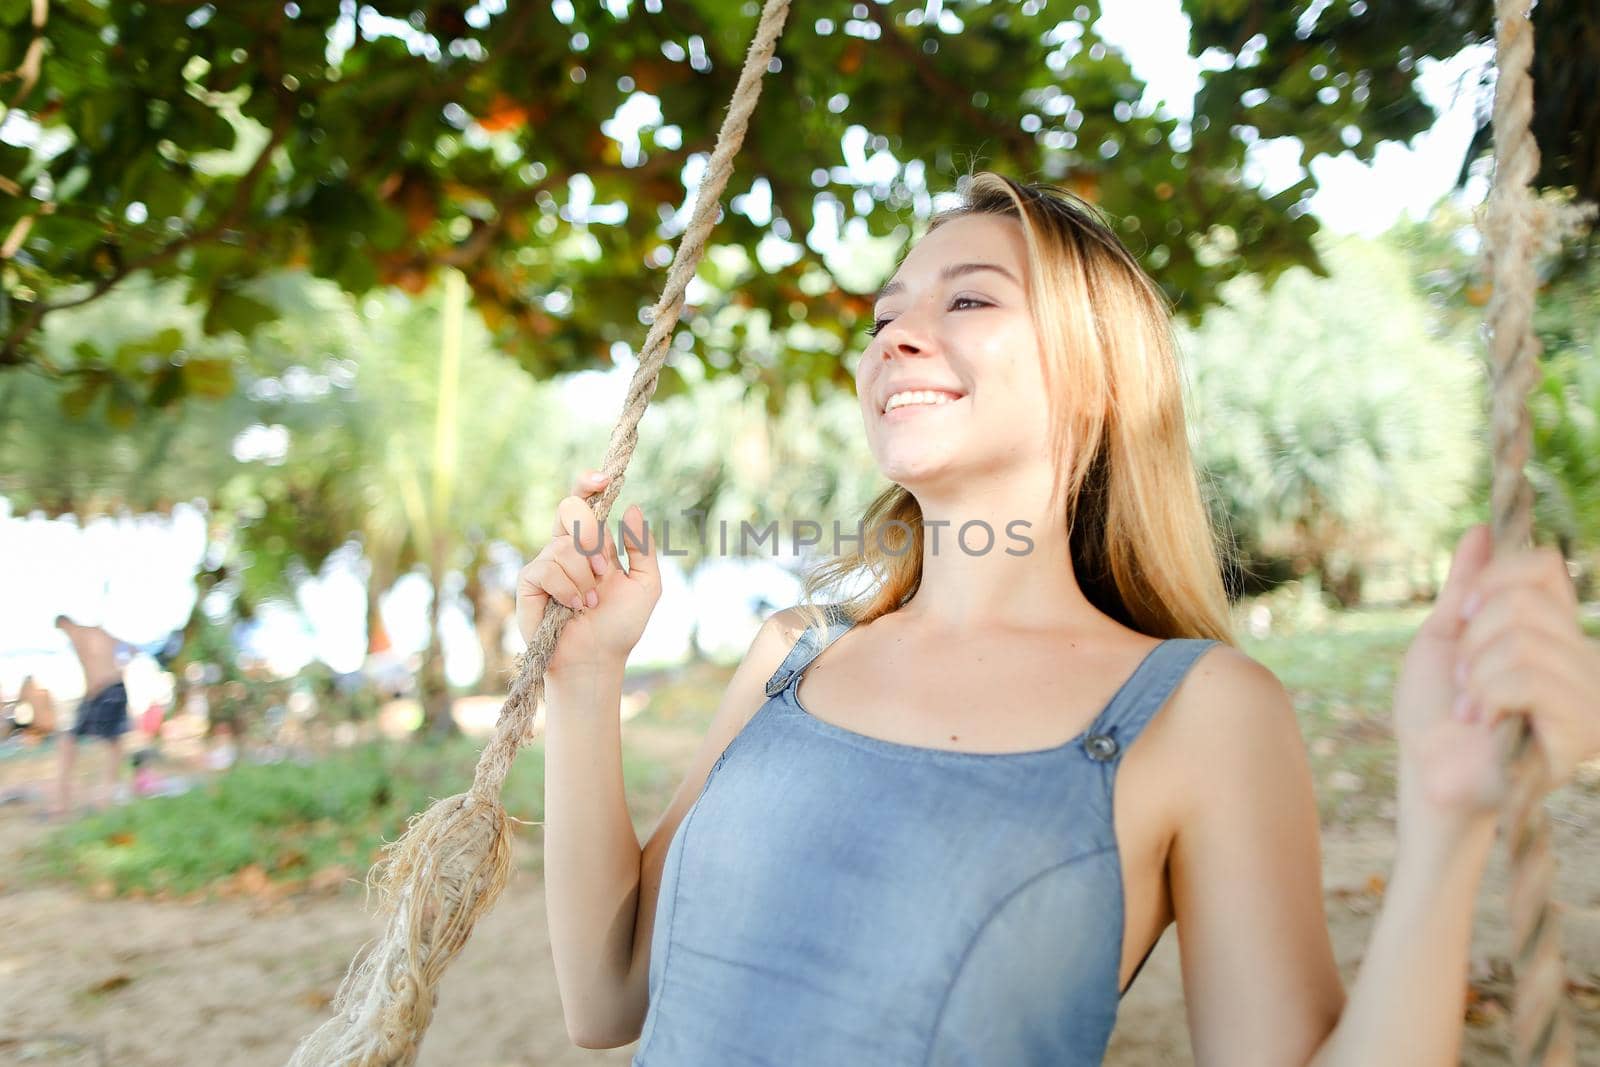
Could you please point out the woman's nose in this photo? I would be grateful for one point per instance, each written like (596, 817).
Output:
(902, 346)
(905, 338)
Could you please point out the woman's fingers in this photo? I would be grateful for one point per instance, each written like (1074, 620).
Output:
(576, 564)
(606, 559)
(576, 519)
(612, 563)
(1526, 612)
(597, 549)
(540, 579)
(1548, 679)
(640, 542)
(1541, 568)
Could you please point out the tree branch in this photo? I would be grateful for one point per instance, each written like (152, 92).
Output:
(934, 79)
(11, 353)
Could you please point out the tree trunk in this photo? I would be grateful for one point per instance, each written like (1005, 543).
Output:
(491, 607)
(435, 685)
(1345, 588)
(437, 720)
(205, 580)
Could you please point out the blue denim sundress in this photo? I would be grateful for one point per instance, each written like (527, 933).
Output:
(835, 899)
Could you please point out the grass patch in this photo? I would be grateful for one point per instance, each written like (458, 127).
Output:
(1341, 676)
(290, 820)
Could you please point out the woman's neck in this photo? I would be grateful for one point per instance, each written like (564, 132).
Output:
(988, 560)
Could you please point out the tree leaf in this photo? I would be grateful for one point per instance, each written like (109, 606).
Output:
(77, 400)
(208, 377)
(232, 310)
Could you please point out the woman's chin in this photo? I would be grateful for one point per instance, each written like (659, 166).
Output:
(913, 471)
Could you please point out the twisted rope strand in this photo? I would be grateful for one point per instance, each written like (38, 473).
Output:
(1542, 1031)
(450, 865)
(515, 721)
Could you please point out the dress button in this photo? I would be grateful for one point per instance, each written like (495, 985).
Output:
(1101, 746)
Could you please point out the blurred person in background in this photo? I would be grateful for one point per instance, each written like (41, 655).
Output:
(102, 713)
(31, 716)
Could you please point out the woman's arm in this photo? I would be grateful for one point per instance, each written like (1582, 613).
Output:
(1260, 982)
(591, 853)
(1503, 637)
(1259, 975)
(1408, 1001)
(601, 886)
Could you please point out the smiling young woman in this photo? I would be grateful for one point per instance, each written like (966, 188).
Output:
(1010, 769)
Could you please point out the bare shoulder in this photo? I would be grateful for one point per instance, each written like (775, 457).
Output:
(1226, 676)
(784, 628)
(769, 647)
(772, 642)
(1230, 709)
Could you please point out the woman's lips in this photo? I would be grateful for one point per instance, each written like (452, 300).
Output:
(907, 411)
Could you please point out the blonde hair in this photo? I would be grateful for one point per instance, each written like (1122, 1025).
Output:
(1142, 544)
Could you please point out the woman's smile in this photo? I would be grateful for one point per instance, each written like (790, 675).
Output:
(904, 411)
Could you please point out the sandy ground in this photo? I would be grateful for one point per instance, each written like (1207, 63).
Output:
(238, 981)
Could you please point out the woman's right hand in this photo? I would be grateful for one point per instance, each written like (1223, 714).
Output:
(612, 606)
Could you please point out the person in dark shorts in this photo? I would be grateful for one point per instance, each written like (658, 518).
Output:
(105, 714)
(102, 713)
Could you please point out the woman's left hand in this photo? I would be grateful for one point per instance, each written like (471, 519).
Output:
(1503, 638)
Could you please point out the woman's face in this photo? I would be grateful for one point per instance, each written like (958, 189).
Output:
(954, 321)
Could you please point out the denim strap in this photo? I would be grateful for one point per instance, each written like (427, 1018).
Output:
(1142, 695)
(807, 648)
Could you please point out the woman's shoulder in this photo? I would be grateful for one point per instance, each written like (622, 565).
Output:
(784, 626)
(1221, 667)
(1231, 715)
(777, 635)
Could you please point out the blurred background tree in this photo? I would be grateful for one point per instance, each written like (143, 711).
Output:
(295, 461)
(222, 233)
(547, 150)
(1565, 407)
(1337, 437)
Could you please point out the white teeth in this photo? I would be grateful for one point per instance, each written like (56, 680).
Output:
(917, 396)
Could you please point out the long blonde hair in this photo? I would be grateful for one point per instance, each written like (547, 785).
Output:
(1143, 547)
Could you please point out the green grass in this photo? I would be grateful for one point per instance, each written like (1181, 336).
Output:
(291, 819)
(1341, 677)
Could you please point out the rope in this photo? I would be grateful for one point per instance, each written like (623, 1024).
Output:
(1541, 1028)
(448, 868)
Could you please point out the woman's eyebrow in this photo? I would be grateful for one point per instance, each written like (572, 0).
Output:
(954, 270)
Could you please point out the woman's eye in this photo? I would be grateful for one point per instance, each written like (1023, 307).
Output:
(955, 305)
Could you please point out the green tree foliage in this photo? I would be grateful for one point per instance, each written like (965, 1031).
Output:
(76, 443)
(1565, 405)
(1291, 70)
(326, 437)
(1337, 434)
(1565, 410)
(375, 143)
